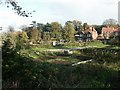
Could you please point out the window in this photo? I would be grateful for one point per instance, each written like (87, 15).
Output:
(88, 35)
(81, 35)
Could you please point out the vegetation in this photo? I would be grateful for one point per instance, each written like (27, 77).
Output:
(110, 22)
(16, 8)
(54, 69)
(27, 62)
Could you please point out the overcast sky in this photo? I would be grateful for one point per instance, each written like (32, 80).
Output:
(90, 11)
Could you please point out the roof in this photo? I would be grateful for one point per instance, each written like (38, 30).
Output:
(90, 30)
(117, 30)
(108, 29)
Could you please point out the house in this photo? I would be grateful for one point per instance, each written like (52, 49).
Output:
(106, 33)
(80, 36)
(89, 34)
(100, 37)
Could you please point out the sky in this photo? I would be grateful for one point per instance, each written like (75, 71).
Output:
(90, 11)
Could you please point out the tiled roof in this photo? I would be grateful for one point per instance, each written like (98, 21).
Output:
(109, 29)
(90, 30)
(117, 30)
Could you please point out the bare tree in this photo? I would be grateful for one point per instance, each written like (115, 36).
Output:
(11, 29)
(110, 22)
(17, 8)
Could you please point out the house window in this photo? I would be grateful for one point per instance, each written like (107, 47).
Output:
(81, 35)
(88, 35)
(80, 39)
(88, 39)
(116, 33)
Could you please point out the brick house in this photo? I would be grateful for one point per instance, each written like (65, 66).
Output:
(89, 34)
(106, 33)
(80, 36)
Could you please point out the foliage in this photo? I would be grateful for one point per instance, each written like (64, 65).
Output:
(97, 44)
(115, 39)
(47, 27)
(17, 8)
(56, 29)
(68, 32)
(101, 55)
(85, 26)
(77, 25)
(11, 29)
(23, 72)
(110, 22)
(46, 36)
(35, 35)
(98, 28)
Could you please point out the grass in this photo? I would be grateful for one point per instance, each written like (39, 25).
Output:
(97, 44)
(54, 70)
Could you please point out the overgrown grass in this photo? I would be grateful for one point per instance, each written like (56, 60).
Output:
(27, 73)
(98, 44)
(107, 57)
(37, 69)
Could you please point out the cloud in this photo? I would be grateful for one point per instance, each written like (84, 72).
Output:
(8, 18)
(91, 11)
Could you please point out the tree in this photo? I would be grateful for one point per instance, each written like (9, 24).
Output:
(77, 25)
(24, 36)
(110, 22)
(115, 39)
(34, 24)
(56, 30)
(47, 28)
(46, 36)
(11, 29)
(98, 28)
(85, 26)
(17, 8)
(24, 28)
(35, 35)
(68, 32)
(40, 26)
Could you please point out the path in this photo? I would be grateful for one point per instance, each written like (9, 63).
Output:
(69, 49)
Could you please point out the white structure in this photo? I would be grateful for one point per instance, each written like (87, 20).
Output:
(119, 12)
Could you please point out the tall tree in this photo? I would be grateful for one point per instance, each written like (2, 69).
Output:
(11, 29)
(56, 30)
(110, 22)
(24, 28)
(85, 26)
(35, 35)
(77, 25)
(68, 32)
(98, 28)
(24, 36)
(46, 36)
(47, 27)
